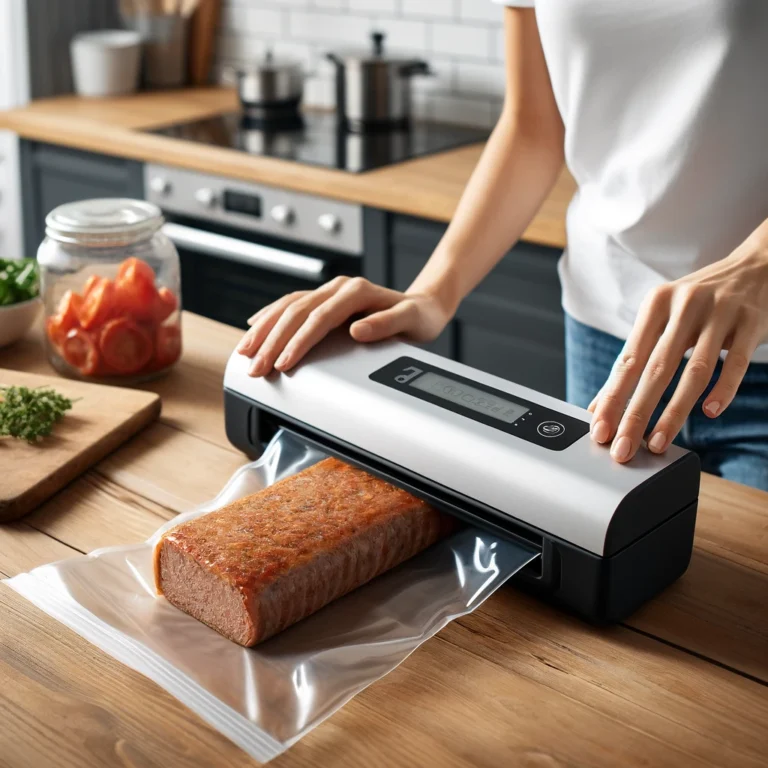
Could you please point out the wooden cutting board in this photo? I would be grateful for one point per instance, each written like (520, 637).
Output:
(101, 420)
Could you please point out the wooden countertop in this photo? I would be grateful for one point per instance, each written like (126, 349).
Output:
(429, 187)
(516, 683)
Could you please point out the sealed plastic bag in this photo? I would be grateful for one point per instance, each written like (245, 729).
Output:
(266, 698)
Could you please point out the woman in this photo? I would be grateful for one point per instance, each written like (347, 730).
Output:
(660, 110)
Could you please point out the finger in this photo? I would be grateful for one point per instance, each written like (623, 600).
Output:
(694, 380)
(266, 322)
(382, 325)
(353, 298)
(628, 368)
(736, 362)
(262, 322)
(595, 400)
(658, 373)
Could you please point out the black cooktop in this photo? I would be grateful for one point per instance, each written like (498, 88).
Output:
(315, 138)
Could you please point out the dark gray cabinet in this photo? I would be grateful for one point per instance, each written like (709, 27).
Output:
(52, 175)
(511, 325)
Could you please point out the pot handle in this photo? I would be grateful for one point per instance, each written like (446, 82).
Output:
(416, 68)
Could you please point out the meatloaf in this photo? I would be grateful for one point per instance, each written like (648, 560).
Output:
(256, 566)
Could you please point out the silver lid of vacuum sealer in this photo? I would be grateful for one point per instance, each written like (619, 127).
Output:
(508, 461)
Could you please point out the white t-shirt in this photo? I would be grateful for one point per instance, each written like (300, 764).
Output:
(665, 106)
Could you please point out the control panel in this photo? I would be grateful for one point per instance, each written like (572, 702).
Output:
(487, 405)
(272, 211)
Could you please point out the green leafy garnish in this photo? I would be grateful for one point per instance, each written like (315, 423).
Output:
(29, 414)
(18, 281)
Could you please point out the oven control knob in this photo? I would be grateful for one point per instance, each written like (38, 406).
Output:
(160, 186)
(206, 197)
(330, 223)
(282, 214)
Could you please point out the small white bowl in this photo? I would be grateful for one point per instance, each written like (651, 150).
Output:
(17, 319)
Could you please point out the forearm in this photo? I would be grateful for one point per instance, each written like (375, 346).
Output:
(516, 171)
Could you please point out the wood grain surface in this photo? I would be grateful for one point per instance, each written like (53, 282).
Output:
(429, 187)
(517, 683)
(101, 419)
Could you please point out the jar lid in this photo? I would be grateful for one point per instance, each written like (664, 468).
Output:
(104, 222)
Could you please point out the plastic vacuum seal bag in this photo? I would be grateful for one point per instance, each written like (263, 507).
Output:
(266, 698)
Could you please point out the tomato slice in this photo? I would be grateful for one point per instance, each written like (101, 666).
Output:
(125, 347)
(166, 304)
(79, 349)
(66, 318)
(98, 306)
(167, 345)
(136, 269)
(135, 290)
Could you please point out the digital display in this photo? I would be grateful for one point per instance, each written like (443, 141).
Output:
(469, 397)
(239, 202)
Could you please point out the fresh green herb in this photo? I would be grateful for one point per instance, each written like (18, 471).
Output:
(18, 281)
(29, 414)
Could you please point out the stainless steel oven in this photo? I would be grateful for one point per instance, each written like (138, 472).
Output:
(245, 245)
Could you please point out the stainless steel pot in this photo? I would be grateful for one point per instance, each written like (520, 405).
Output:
(374, 90)
(270, 84)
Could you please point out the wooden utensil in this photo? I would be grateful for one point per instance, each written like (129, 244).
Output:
(202, 35)
(101, 420)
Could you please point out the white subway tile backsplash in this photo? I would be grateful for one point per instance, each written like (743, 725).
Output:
(328, 27)
(462, 110)
(264, 21)
(302, 52)
(485, 79)
(480, 10)
(499, 44)
(437, 9)
(402, 35)
(373, 6)
(442, 79)
(320, 92)
(461, 40)
(337, 4)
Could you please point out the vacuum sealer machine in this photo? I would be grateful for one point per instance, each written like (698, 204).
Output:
(494, 453)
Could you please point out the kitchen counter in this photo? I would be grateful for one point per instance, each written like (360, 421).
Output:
(428, 187)
(683, 682)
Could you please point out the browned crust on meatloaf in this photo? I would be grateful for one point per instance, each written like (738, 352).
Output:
(263, 563)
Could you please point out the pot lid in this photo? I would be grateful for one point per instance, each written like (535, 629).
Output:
(375, 54)
(103, 222)
(271, 63)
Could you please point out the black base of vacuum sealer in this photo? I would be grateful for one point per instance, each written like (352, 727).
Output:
(601, 589)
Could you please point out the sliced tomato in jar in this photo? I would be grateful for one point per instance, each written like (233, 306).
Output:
(90, 283)
(79, 349)
(99, 305)
(166, 304)
(125, 346)
(167, 346)
(135, 290)
(66, 318)
(136, 269)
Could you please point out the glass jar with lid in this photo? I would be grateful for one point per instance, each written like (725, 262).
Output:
(110, 282)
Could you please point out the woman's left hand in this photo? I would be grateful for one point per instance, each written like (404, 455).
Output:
(723, 306)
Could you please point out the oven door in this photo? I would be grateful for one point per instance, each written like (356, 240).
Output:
(228, 274)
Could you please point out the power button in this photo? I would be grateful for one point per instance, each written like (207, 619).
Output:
(550, 429)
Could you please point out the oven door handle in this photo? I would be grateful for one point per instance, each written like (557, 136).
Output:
(244, 252)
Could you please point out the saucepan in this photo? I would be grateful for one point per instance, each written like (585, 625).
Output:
(271, 85)
(373, 90)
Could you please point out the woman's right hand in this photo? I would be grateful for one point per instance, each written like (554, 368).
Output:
(283, 332)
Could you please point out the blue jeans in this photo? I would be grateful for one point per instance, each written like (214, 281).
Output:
(733, 446)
